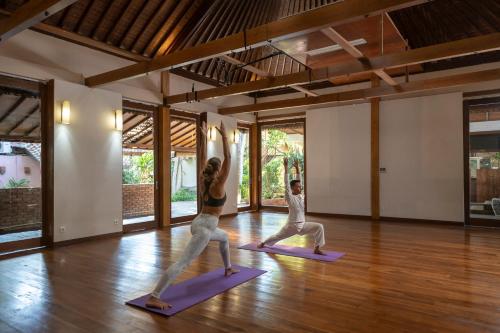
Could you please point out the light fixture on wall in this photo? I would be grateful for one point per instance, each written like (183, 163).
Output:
(65, 113)
(236, 136)
(119, 120)
(212, 133)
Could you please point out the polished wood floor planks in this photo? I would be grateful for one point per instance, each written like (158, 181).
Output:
(395, 277)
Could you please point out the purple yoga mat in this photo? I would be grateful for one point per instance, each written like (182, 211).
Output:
(196, 290)
(295, 252)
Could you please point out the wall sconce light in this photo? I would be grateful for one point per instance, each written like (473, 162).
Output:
(236, 136)
(119, 120)
(65, 113)
(212, 133)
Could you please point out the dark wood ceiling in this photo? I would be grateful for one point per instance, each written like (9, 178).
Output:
(151, 28)
(442, 21)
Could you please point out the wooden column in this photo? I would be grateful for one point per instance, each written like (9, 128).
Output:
(254, 167)
(163, 185)
(47, 158)
(375, 153)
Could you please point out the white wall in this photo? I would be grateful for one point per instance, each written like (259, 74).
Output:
(214, 148)
(338, 160)
(87, 163)
(421, 148)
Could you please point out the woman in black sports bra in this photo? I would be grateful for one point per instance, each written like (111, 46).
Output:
(204, 227)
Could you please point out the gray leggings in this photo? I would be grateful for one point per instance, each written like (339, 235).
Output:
(203, 229)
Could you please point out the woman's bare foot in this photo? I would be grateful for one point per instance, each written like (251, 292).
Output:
(156, 303)
(261, 245)
(230, 271)
(318, 251)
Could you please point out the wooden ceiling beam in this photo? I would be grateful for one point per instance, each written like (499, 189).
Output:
(13, 108)
(31, 130)
(187, 128)
(328, 15)
(87, 42)
(23, 119)
(186, 142)
(353, 51)
(142, 135)
(76, 38)
(135, 125)
(447, 50)
(263, 73)
(19, 138)
(29, 14)
(182, 138)
(365, 94)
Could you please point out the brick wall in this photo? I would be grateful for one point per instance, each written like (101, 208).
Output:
(20, 209)
(138, 200)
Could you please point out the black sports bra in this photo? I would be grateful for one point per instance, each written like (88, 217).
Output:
(214, 202)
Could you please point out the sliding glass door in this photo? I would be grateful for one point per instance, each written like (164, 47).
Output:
(183, 166)
(484, 160)
(138, 174)
(22, 104)
(278, 140)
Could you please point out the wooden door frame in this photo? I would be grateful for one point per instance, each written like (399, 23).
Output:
(468, 220)
(156, 222)
(259, 168)
(252, 169)
(46, 92)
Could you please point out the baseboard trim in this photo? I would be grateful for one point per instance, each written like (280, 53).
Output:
(387, 219)
(426, 221)
(340, 216)
(86, 239)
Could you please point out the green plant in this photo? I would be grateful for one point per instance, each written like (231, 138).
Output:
(145, 166)
(129, 177)
(184, 194)
(13, 183)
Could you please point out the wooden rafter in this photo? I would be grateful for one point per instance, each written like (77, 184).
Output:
(186, 142)
(264, 73)
(185, 129)
(453, 49)
(329, 15)
(146, 138)
(32, 129)
(29, 14)
(87, 42)
(135, 125)
(141, 135)
(353, 51)
(23, 119)
(182, 138)
(167, 25)
(13, 108)
(364, 94)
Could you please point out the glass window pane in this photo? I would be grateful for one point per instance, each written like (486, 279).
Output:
(484, 160)
(20, 167)
(243, 153)
(183, 167)
(138, 167)
(278, 141)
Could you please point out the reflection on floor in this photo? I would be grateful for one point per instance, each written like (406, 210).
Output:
(395, 277)
(16, 236)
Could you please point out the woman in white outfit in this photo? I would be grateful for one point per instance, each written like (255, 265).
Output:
(204, 226)
(296, 224)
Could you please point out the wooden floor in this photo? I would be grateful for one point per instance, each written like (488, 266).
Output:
(394, 278)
